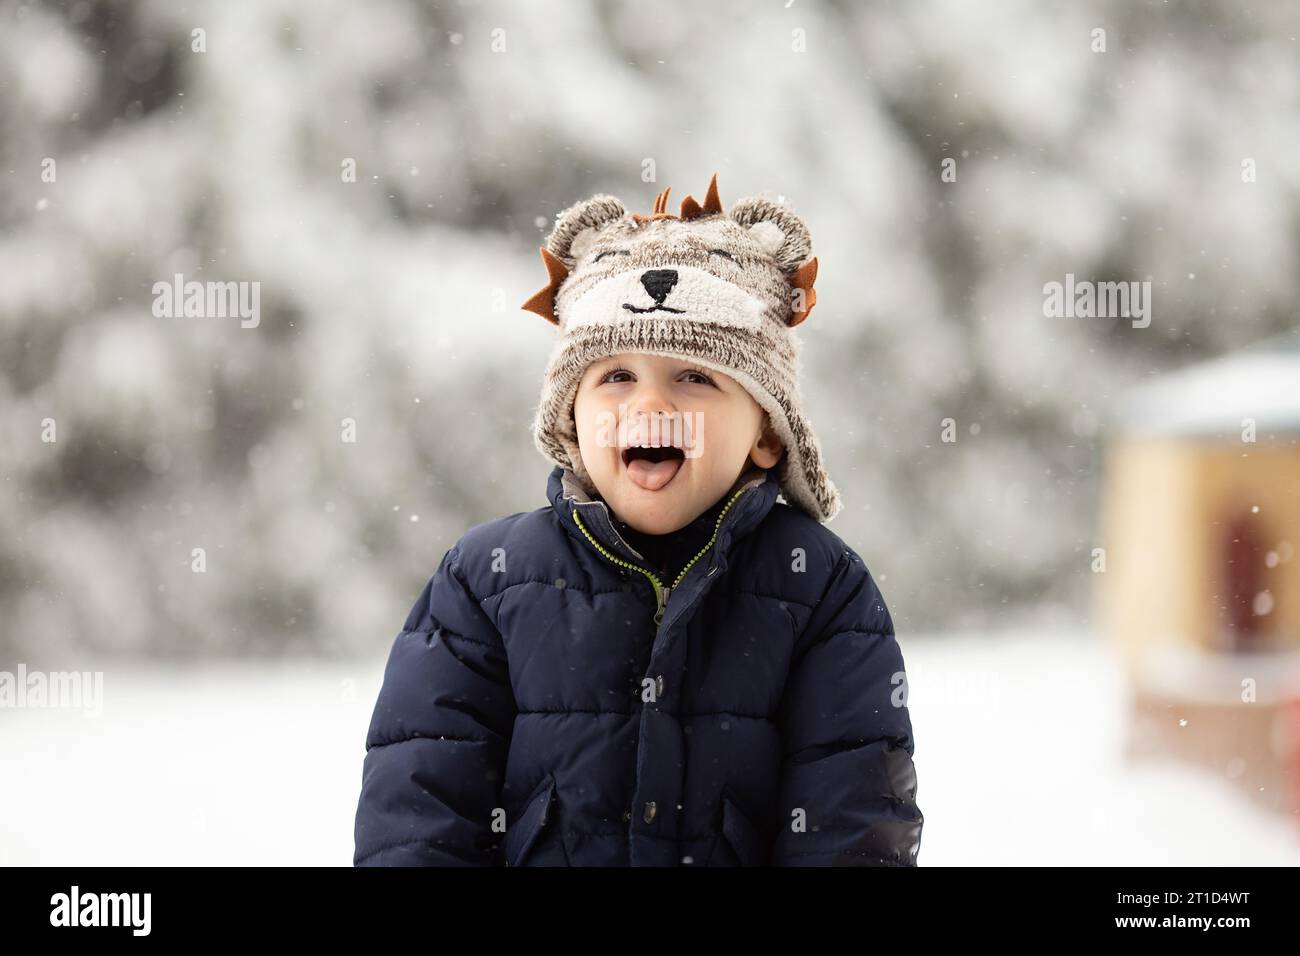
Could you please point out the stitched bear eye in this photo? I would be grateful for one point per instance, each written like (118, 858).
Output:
(722, 252)
(610, 252)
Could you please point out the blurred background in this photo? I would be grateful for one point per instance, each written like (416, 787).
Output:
(1084, 526)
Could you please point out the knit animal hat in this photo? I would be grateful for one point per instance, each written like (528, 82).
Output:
(722, 289)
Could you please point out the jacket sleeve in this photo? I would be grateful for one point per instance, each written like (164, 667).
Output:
(847, 782)
(439, 735)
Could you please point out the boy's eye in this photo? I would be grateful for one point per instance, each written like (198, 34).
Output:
(610, 252)
(702, 378)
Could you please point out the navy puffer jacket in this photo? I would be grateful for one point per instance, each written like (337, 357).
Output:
(551, 702)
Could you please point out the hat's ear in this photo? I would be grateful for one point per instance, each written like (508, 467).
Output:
(576, 227)
(779, 231)
(575, 230)
(786, 239)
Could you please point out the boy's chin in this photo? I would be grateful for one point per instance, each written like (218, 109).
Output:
(655, 512)
(654, 522)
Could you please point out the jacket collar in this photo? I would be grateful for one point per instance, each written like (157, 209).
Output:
(758, 486)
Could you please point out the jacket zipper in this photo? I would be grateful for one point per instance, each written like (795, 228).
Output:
(661, 593)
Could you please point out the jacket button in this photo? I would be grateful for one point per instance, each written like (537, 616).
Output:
(659, 685)
(649, 814)
(627, 815)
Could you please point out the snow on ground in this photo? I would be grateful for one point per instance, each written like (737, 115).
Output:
(230, 764)
(1018, 761)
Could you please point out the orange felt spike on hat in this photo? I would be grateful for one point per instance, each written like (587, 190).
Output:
(803, 280)
(543, 301)
(712, 204)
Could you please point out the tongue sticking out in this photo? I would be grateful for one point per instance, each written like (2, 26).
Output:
(653, 475)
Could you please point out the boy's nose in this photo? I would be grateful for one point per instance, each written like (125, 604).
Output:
(654, 421)
(650, 407)
(659, 282)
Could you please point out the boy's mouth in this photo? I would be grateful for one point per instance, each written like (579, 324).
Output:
(652, 468)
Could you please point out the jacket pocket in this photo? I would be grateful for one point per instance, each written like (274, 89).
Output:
(745, 841)
(523, 832)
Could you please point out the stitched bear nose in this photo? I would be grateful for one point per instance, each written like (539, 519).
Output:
(659, 282)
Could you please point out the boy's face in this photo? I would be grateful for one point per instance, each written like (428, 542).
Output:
(714, 428)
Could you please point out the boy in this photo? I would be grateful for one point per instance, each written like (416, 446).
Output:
(665, 666)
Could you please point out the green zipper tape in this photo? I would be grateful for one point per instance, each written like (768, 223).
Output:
(661, 593)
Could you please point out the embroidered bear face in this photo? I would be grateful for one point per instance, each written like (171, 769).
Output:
(735, 269)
